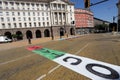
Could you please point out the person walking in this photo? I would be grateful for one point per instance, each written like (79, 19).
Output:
(29, 40)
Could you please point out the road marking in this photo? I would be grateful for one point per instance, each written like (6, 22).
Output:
(53, 69)
(41, 77)
(15, 59)
(82, 48)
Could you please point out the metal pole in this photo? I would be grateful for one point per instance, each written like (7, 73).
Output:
(117, 26)
(51, 24)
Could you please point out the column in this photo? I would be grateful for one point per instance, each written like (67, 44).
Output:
(62, 17)
(66, 18)
(58, 18)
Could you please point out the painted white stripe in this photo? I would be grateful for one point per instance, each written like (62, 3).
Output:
(41, 77)
(82, 48)
(15, 59)
(53, 69)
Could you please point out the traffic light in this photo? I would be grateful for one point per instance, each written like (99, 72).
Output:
(87, 3)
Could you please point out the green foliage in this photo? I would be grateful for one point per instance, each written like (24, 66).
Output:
(102, 27)
(14, 35)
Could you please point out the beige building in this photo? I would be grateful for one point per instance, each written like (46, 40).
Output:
(36, 18)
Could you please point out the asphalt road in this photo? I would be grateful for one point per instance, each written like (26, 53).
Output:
(21, 64)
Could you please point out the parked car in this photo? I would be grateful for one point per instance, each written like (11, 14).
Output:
(4, 39)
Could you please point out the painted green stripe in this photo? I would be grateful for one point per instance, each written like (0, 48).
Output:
(48, 53)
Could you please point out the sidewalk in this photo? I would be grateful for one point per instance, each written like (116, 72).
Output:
(5, 46)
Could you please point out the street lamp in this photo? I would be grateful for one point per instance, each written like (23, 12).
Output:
(118, 21)
(51, 22)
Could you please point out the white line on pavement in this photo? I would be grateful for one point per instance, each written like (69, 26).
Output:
(53, 69)
(82, 49)
(41, 77)
(16, 59)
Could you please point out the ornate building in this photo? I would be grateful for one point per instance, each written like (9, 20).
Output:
(36, 18)
(84, 21)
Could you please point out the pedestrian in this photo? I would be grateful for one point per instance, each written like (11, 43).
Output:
(29, 40)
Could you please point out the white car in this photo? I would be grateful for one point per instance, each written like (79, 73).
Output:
(4, 39)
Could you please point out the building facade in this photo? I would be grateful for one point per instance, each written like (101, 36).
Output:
(84, 21)
(36, 18)
(98, 21)
(106, 24)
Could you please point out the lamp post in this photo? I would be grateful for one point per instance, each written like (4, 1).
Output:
(51, 23)
(118, 21)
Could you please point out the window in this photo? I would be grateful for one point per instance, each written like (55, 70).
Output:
(8, 19)
(3, 25)
(63, 6)
(15, 25)
(0, 3)
(38, 14)
(12, 8)
(13, 13)
(59, 6)
(12, 3)
(34, 24)
(30, 25)
(29, 19)
(23, 13)
(25, 24)
(43, 23)
(34, 19)
(38, 18)
(33, 13)
(47, 23)
(43, 18)
(0, 7)
(37, 5)
(55, 7)
(20, 25)
(24, 19)
(7, 13)
(9, 25)
(6, 3)
(46, 14)
(18, 13)
(42, 6)
(39, 24)
(13, 19)
(46, 6)
(2, 19)
(1, 13)
(47, 18)
(19, 18)
(42, 13)
(28, 13)
(37, 8)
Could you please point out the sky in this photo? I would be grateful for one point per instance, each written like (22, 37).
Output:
(104, 11)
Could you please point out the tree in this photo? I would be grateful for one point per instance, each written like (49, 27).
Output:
(101, 28)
